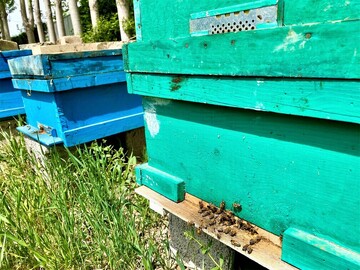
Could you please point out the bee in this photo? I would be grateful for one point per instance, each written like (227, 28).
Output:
(249, 250)
(222, 206)
(199, 230)
(223, 218)
(211, 216)
(227, 230)
(227, 223)
(202, 210)
(218, 211)
(211, 223)
(201, 204)
(237, 206)
(205, 214)
(218, 236)
(255, 240)
(232, 233)
(235, 243)
(220, 230)
(212, 207)
(190, 223)
(245, 247)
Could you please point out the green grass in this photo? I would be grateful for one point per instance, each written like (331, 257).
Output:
(77, 212)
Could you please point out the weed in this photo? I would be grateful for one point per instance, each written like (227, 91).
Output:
(75, 212)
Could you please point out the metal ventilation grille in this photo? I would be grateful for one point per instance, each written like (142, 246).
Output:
(235, 22)
(233, 27)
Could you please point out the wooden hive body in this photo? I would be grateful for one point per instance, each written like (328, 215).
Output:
(73, 98)
(10, 99)
(266, 117)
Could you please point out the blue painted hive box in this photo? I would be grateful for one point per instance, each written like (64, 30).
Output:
(73, 98)
(11, 103)
(257, 103)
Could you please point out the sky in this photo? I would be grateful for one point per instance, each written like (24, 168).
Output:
(15, 22)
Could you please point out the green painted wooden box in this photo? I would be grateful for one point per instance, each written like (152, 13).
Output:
(257, 103)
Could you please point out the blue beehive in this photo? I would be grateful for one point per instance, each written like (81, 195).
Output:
(73, 98)
(10, 99)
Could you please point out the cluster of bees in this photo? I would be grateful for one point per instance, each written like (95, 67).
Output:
(225, 222)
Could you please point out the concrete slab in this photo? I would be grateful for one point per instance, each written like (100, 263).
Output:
(6, 45)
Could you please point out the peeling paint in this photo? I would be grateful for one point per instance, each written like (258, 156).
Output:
(150, 115)
(260, 82)
(259, 106)
(290, 42)
(153, 124)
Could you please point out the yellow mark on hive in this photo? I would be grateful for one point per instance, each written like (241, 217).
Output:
(291, 42)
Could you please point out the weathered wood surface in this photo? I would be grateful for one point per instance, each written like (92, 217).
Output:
(5, 56)
(227, 111)
(320, 252)
(284, 170)
(309, 51)
(267, 252)
(81, 115)
(66, 65)
(326, 99)
(64, 84)
(10, 99)
(175, 22)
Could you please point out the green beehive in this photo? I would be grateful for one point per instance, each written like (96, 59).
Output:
(257, 103)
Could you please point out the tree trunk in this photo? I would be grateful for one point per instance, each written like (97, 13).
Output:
(38, 21)
(94, 12)
(123, 13)
(30, 14)
(49, 21)
(59, 18)
(26, 23)
(1, 27)
(75, 17)
(5, 32)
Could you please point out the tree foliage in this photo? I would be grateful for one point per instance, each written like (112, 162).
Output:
(108, 26)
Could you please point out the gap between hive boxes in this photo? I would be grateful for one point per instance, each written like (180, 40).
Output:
(266, 253)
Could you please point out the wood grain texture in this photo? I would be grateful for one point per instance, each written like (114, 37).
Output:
(321, 253)
(310, 11)
(311, 51)
(175, 22)
(66, 65)
(286, 171)
(326, 99)
(81, 115)
(65, 84)
(11, 103)
(166, 184)
(266, 253)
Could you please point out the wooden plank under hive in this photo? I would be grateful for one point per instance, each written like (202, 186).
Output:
(11, 103)
(260, 112)
(75, 97)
